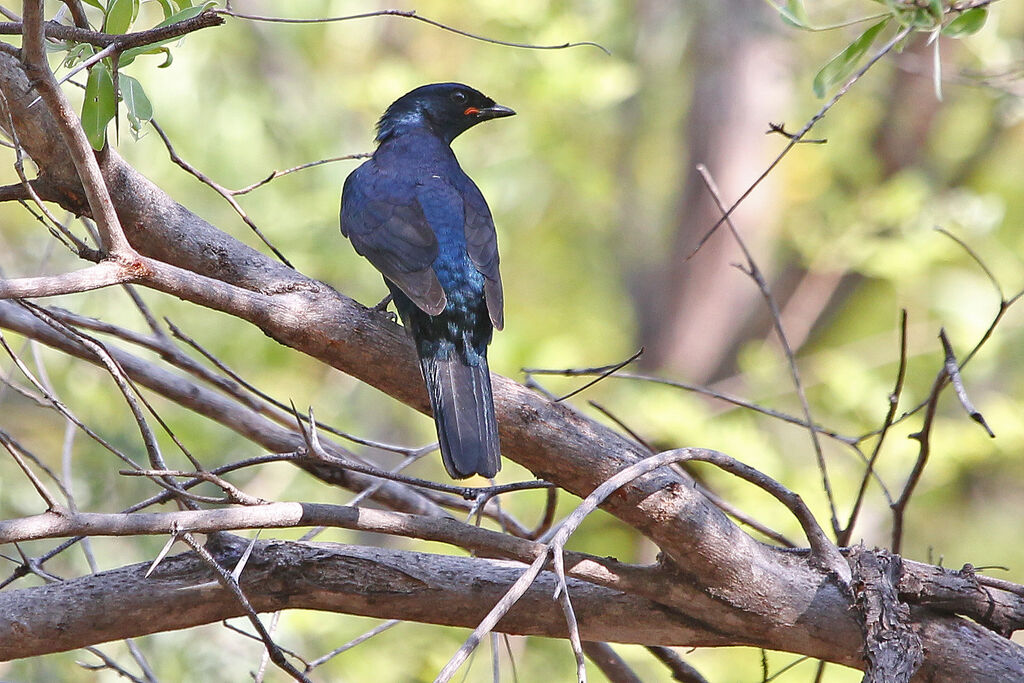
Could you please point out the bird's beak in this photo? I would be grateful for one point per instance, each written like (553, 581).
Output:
(495, 112)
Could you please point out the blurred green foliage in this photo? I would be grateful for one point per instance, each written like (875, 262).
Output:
(596, 139)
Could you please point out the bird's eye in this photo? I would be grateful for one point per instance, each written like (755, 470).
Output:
(459, 97)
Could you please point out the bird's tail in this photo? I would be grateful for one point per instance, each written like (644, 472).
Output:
(460, 395)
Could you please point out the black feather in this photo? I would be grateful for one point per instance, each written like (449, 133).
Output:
(415, 214)
(460, 396)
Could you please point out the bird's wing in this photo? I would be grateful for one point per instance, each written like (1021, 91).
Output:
(386, 224)
(482, 245)
(458, 204)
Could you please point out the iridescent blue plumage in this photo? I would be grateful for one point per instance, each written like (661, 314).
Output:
(417, 217)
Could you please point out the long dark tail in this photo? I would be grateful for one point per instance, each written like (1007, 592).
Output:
(467, 430)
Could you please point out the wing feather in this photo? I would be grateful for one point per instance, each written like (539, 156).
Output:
(391, 231)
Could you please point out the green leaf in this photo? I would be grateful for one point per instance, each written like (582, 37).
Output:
(794, 14)
(95, 3)
(119, 16)
(99, 106)
(138, 106)
(78, 53)
(183, 4)
(129, 55)
(935, 9)
(967, 24)
(843, 64)
(167, 7)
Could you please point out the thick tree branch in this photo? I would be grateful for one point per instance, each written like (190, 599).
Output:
(286, 575)
(122, 41)
(755, 592)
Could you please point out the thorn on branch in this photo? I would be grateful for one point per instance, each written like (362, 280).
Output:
(780, 129)
(953, 372)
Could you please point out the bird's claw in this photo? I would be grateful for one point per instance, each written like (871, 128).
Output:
(382, 307)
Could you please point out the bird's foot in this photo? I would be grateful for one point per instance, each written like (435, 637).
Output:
(382, 307)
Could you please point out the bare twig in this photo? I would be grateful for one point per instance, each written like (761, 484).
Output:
(133, 397)
(389, 624)
(301, 167)
(219, 189)
(823, 551)
(467, 492)
(53, 30)
(103, 274)
(780, 129)
(923, 437)
(622, 425)
(953, 372)
(894, 401)
(55, 226)
(108, 662)
(229, 582)
(762, 284)
(606, 371)
(610, 663)
(705, 391)
(681, 671)
(798, 136)
(44, 493)
(281, 405)
(411, 14)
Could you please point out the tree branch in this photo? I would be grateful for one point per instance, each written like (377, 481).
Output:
(286, 575)
(795, 606)
(122, 41)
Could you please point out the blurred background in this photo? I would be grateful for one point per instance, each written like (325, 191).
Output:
(597, 205)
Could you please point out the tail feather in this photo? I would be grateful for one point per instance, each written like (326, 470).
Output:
(467, 430)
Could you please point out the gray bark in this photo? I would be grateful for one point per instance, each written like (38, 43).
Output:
(725, 587)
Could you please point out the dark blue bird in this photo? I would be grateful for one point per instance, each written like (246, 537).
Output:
(414, 213)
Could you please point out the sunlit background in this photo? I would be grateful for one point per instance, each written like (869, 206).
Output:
(597, 204)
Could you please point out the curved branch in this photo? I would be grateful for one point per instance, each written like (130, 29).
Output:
(374, 582)
(753, 590)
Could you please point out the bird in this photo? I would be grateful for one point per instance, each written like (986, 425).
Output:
(418, 218)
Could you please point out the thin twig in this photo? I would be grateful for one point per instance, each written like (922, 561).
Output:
(681, 671)
(110, 663)
(798, 136)
(281, 405)
(606, 372)
(894, 400)
(56, 228)
(780, 129)
(301, 167)
(229, 582)
(705, 391)
(823, 552)
(757, 276)
(219, 189)
(642, 442)
(40, 487)
(468, 492)
(953, 372)
(610, 663)
(101, 208)
(411, 14)
(391, 623)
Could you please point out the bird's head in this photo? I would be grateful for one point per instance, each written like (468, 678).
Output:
(447, 109)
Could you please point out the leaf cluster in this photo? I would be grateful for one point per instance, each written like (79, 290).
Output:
(106, 86)
(949, 19)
